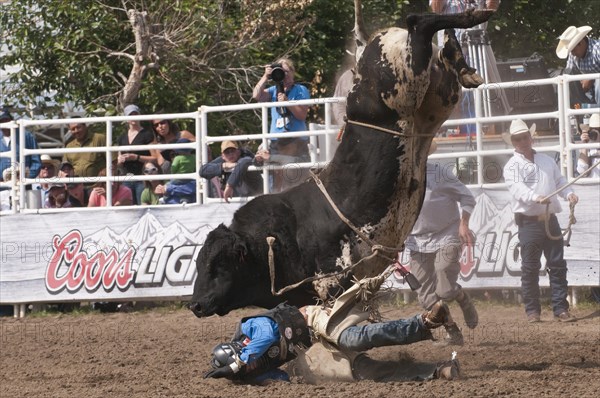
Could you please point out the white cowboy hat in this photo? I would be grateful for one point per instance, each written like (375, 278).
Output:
(518, 127)
(593, 123)
(569, 39)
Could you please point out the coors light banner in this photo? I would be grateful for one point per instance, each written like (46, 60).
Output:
(150, 253)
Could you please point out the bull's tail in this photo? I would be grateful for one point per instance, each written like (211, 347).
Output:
(361, 36)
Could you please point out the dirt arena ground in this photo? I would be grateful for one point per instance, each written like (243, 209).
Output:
(164, 353)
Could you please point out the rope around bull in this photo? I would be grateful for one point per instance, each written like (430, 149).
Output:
(572, 219)
(375, 248)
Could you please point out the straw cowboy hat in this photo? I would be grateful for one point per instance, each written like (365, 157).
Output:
(518, 127)
(594, 123)
(569, 39)
(46, 159)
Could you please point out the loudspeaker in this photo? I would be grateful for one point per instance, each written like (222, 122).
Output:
(528, 97)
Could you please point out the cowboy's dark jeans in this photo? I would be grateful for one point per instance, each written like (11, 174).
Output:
(534, 242)
(402, 331)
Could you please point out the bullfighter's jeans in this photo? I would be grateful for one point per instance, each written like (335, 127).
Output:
(534, 242)
(401, 331)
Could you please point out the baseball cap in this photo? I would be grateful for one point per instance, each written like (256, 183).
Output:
(129, 109)
(228, 144)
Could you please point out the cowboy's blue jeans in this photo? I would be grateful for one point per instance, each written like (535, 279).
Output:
(534, 242)
(401, 331)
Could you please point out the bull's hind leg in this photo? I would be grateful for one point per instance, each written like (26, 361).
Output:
(453, 57)
(422, 27)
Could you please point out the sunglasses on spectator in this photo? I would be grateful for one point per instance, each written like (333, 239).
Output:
(151, 170)
(47, 166)
(160, 123)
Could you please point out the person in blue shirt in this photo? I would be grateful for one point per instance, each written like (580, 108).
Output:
(284, 119)
(32, 162)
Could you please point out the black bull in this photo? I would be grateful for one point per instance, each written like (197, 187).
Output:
(376, 179)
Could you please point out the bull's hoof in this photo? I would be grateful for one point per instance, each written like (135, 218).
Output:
(470, 79)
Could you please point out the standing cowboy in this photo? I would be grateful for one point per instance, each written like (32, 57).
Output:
(531, 177)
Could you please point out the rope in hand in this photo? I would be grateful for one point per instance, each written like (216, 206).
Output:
(572, 220)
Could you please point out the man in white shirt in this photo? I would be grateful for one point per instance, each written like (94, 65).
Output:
(531, 177)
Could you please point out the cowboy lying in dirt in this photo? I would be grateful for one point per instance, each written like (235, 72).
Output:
(326, 342)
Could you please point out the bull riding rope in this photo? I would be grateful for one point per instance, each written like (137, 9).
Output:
(572, 220)
(375, 248)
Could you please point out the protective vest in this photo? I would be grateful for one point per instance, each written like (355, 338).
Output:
(293, 333)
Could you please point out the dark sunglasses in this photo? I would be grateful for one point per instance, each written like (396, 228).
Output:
(150, 170)
(47, 166)
(229, 151)
(160, 123)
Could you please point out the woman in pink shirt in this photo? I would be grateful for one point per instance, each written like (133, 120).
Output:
(121, 195)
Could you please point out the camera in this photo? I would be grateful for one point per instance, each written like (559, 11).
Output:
(277, 73)
(593, 134)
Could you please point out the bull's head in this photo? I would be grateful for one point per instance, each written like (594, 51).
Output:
(224, 280)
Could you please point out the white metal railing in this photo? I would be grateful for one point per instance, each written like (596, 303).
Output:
(564, 144)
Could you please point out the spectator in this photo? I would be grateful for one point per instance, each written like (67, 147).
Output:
(121, 195)
(167, 132)
(154, 189)
(288, 119)
(32, 162)
(132, 162)
(531, 176)
(589, 157)
(247, 357)
(179, 191)
(6, 194)
(342, 88)
(184, 159)
(48, 169)
(583, 56)
(77, 190)
(436, 241)
(58, 197)
(231, 168)
(86, 164)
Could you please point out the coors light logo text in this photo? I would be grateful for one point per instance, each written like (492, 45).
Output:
(77, 263)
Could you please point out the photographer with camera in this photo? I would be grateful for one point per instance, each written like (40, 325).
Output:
(284, 119)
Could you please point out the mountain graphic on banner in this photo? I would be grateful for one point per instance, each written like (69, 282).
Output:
(487, 217)
(147, 232)
(104, 240)
(143, 231)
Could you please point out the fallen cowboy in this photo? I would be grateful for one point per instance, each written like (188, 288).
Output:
(325, 342)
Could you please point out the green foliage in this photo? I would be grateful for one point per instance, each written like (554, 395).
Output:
(213, 52)
(523, 27)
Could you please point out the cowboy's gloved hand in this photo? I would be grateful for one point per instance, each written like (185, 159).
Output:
(219, 373)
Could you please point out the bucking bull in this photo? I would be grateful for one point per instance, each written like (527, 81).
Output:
(404, 89)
